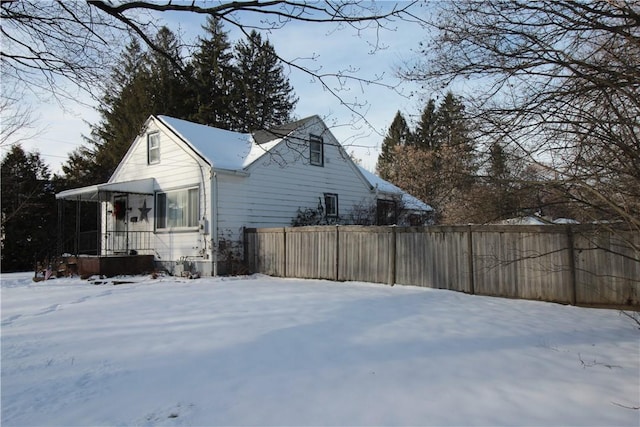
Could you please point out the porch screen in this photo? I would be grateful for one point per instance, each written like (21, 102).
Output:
(177, 209)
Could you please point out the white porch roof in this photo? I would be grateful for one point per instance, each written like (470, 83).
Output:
(92, 193)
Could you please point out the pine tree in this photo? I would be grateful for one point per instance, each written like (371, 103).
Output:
(398, 135)
(500, 201)
(124, 107)
(452, 131)
(143, 84)
(213, 77)
(28, 210)
(451, 122)
(169, 84)
(265, 97)
(425, 136)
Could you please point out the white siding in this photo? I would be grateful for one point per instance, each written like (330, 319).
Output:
(267, 194)
(178, 168)
(283, 181)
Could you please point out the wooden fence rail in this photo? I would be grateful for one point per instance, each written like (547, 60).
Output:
(577, 264)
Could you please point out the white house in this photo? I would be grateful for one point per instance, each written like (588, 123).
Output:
(184, 191)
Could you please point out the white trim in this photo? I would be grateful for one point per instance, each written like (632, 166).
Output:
(92, 193)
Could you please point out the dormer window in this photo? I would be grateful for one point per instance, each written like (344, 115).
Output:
(153, 148)
(316, 150)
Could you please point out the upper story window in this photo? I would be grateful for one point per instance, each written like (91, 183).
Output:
(331, 204)
(153, 148)
(177, 209)
(316, 151)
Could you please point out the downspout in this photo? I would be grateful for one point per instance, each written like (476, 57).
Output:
(214, 219)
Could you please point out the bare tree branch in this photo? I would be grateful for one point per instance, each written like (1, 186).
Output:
(559, 81)
(48, 44)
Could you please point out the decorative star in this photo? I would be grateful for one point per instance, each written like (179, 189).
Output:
(144, 211)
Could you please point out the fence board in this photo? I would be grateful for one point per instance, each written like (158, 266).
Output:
(365, 254)
(267, 250)
(607, 267)
(310, 252)
(567, 264)
(433, 257)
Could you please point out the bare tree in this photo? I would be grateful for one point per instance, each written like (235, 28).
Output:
(18, 121)
(47, 43)
(559, 80)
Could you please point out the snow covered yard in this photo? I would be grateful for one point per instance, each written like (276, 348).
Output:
(269, 351)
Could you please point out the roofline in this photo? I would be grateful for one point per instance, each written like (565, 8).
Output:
(283, 137)
(181, 138)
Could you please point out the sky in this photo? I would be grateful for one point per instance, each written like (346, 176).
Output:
(61, 128)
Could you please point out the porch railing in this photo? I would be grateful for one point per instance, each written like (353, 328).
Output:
(126, 242)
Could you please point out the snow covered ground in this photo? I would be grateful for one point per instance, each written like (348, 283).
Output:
(268, 351)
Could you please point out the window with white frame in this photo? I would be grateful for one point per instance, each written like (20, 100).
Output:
(316, 150)
(153, 148)
(177, 209)
(331, 204)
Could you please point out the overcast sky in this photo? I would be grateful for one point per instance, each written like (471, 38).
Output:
(334, 49)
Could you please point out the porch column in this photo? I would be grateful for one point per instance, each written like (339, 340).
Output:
(77, 239)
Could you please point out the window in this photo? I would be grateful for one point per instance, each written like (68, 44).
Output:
(316, 151)
(386, 212)
(153, 148)
(331, 204)
(177, 209)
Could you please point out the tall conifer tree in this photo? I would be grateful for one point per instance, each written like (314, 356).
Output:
(143, 84)
(123, 108)
(169, 85)
(425, 136)
(398, 135)
(213, 77)
(265, 98)
(28, 210)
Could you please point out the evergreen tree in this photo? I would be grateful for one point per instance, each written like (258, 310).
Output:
(451, 122)
(452, 131)
(28, 210)
(398, 135)
(124, 107)
(500, 200)
(213, 77)
(425, 137)
(143, 84)
(169, 83)
(437, 163)
(265, 97)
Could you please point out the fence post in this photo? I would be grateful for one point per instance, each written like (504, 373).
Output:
(572, 265)
(393, 256)
(245, 249)
(472, 284)
(337, 251)
(284, 251)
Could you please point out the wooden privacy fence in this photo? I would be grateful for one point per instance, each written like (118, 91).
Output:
(577, 264)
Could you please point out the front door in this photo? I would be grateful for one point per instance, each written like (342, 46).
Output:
(121, 226)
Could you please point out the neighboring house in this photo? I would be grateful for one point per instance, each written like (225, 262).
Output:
(185, 191)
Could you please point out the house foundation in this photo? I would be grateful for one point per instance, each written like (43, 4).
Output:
(109, 266)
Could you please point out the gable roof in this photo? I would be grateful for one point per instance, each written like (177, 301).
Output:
(279, 132)
(226, 149)
(230, 150)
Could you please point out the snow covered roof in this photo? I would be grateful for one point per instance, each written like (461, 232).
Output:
(227, 149)
(536, 220)
(408, 200)
(235, 150)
